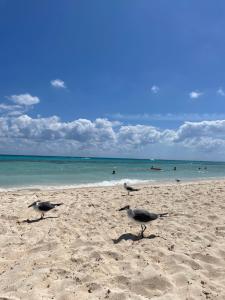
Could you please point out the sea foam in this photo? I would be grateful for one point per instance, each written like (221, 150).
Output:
(73, 186)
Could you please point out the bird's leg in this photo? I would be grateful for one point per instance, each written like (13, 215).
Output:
(143, 227)
(141, 233)
(42, 215)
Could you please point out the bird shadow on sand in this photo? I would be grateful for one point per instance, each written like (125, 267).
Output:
(37, 220)
(133, 237)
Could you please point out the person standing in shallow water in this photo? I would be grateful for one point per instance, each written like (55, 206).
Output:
(113, 172)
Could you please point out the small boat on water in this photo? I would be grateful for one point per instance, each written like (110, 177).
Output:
(156, 169)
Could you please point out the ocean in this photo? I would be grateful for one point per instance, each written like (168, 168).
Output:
(18, 172)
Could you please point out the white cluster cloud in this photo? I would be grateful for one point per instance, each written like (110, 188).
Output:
(20, 132)
(6, 107)
(214, 129)
(221, 92)
(23, 102)
(195, 94)
(24, 99)
(168, 117)
(101, 136)
(138, 135)
(155, 89)
(43, 129)
(58, 83)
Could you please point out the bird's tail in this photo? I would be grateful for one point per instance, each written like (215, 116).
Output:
(58, 204)
(163, 214)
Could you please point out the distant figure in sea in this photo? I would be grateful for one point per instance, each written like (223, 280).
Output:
(175, 168)
(113, 172)
(177, 180)
(129, 188)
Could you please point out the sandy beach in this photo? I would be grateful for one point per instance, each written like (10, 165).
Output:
(87, 249)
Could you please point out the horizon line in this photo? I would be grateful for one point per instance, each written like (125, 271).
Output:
(102, 157)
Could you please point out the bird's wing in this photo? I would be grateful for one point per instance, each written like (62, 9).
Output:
(142, 215)
(130, 188)
(45, 206)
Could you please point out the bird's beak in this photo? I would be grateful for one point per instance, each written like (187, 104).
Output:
(31, 205)
(123, 208)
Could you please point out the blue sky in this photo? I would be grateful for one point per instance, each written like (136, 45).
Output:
(128, 63)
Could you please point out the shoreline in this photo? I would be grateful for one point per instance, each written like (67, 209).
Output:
(133, 182)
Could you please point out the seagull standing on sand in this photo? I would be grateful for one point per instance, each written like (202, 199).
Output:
(43, 207)
(129, 188)
(141, 216)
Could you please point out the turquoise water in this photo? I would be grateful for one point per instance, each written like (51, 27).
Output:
(43, 171)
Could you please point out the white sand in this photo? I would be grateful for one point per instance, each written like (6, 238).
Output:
(90, 251)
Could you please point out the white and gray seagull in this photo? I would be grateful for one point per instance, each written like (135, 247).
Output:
(129, 188)
(142, 216)
(43, 207)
